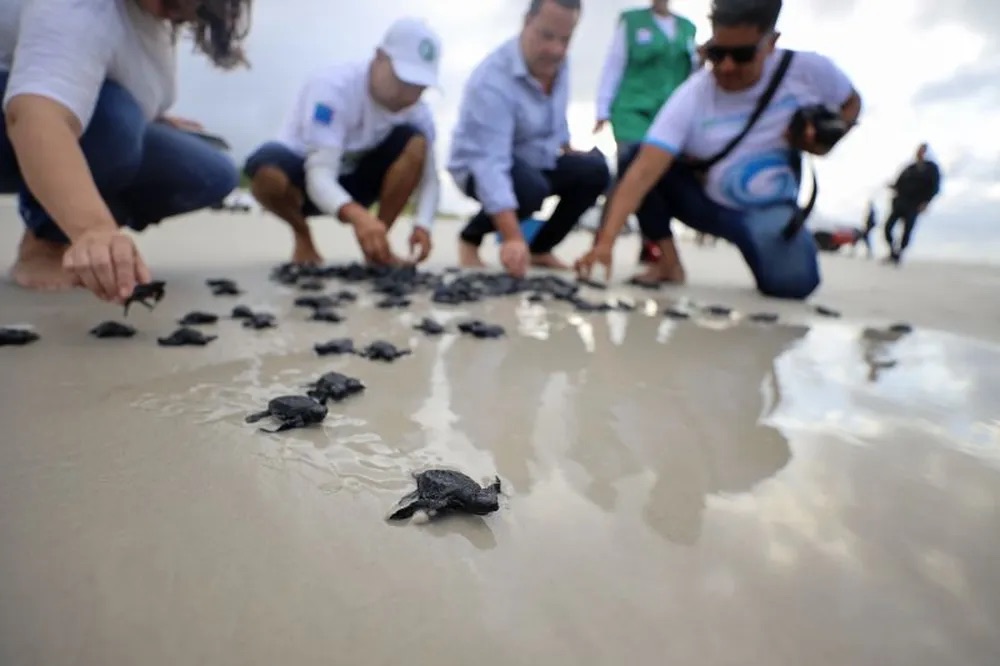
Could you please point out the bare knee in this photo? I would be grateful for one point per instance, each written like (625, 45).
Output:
(271, 187)
(414, 154)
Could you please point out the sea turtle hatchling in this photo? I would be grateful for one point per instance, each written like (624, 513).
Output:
(334, 386)
(335, 347)
(441, 491)
(17, 337)
(429, 326)
(480, 329)
(291, 411)
(197, 318)
(186, 337)
(380, 350)
(148, 295)
(112, 329)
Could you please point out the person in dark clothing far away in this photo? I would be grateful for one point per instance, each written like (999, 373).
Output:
(914, 189)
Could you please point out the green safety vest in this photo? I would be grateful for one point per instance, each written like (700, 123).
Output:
(655, 67)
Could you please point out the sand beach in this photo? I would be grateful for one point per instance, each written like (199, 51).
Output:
(708, 492)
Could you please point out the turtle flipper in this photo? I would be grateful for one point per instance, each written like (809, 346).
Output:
(257, 416)
(290, 424)
(406, 507)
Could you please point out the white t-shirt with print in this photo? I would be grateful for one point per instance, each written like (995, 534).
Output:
(65, 49)
(334, 110)
(700, 119)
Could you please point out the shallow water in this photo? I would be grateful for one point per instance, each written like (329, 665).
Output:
(711, 491)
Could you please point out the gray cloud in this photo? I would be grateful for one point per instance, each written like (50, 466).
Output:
(979, 84)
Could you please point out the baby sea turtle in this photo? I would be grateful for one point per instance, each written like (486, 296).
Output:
(480, 329)
(675, 313)
(311, 285)
(901, 328)
(17, 337)
(112, 329)
(148, 295)
(223, 287)
(259, 321)
(824, 311)
(764, 317)
(380, 350)
(186, 337)
(441, 491)
(198, 319)
(335, 347)
(718, 310)
(429, 326)
(395, 301)
(329, 316)
(335, 386)
(291, 411)
(241, 312)
(583, 305)
(316, 302)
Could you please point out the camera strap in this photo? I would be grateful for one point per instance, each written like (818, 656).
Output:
(801, 213)
(762, 102)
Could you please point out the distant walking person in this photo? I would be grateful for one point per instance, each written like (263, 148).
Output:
(652, 53)
(916, 186)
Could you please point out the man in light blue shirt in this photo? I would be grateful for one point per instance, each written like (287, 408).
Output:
(510, 149)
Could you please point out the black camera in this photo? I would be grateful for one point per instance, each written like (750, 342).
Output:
(830, 127)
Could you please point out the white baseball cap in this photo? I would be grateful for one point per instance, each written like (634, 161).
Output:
(415, 51)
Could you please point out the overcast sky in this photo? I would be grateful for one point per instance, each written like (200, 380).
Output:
(926, 70)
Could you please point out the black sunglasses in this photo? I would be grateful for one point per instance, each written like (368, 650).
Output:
(740, 55)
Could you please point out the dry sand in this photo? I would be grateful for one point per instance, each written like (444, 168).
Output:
(677, 493)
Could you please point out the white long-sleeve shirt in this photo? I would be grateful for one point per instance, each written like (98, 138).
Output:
(617, 60)
(335, 122)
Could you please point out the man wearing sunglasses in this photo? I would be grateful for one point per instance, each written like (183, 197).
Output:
(86, 142)
(748, 195)
(359, 133)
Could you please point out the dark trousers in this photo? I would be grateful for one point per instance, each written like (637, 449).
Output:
(782, 268)
(364, 183)
(145, 171)
(578, 180)
(908, 213)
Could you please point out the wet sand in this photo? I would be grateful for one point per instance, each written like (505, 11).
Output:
(706, 492)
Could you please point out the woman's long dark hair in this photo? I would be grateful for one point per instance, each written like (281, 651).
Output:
(220, 29)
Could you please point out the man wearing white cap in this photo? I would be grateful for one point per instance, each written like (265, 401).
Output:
(359, 133)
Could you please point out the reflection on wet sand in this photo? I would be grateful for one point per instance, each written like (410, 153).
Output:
(630, 413)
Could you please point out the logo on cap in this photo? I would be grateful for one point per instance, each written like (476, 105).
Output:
(426, 50)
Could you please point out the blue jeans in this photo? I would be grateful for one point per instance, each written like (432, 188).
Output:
(578, 180)
(364, 183)
(782, 268)
(145, 172)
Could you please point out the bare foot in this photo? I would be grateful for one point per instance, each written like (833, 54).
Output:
(468, 255)
(39, 265)
(662, 272)
(548, 260)
(305, 252)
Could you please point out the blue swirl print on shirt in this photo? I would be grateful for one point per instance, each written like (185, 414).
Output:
(761, 179)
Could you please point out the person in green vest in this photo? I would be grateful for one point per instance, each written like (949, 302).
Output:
(652, 53)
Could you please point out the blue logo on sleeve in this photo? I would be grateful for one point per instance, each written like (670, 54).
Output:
(323, 114)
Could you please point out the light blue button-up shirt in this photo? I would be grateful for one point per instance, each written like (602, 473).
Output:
(506, 115)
